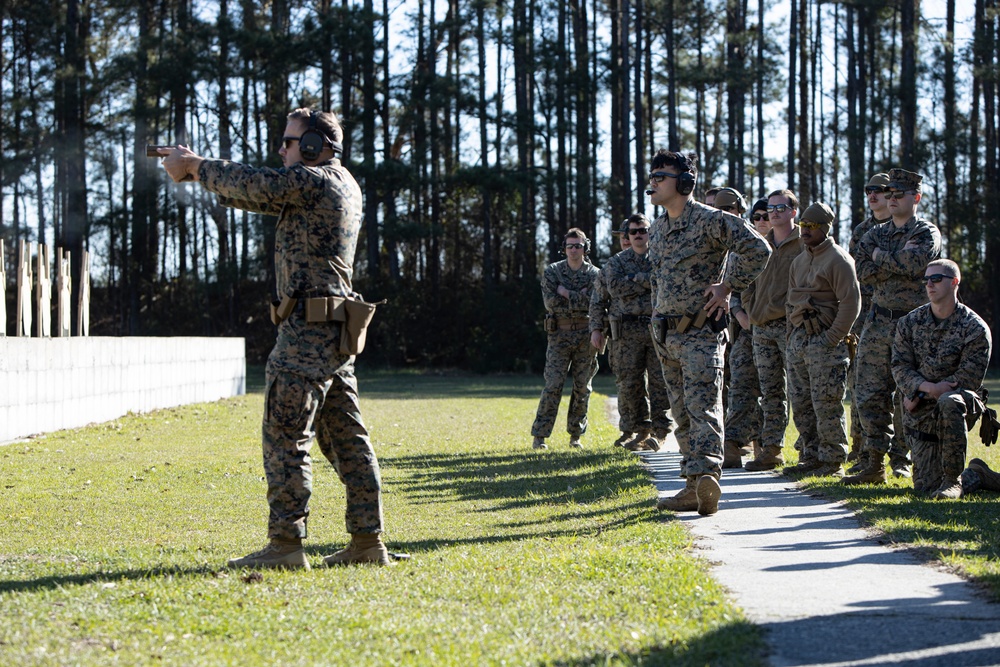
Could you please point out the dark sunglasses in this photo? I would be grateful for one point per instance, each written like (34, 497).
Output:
(728, 209)
(757, 217)
(578, 246)
(899, 194)
(872, 189)
(638, 232)
(658, 176)
(935, 278)
(778, 208)
(286, 142)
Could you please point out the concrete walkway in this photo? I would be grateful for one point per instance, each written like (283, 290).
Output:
(826, 590)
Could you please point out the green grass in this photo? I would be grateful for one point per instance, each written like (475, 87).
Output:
(114, 537)
(963, 534)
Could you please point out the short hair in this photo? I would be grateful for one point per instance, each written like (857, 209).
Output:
(683, 162)
(948, 264)
(326, 123)
(636, 218)
(787, 194)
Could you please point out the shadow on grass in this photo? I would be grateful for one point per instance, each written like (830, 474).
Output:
(104, 577)
(516, 480)
(431, 385)
(735, 644)
(969, 527)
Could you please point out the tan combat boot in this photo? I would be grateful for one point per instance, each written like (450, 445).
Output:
(539, 443)
(708, 491)
(768, 459)
(278, 554)
(989, 479)
(874, 473)
(855, 452)
(574, 442)
(950, 489)
(732, 455)
(638, 443)
(685, 501)
(626, 436)
(364, 548)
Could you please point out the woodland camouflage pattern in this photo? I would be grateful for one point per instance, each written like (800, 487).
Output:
(643, 401)
(567, 351)
(688, 254)
(956, 349)
(744, 417)
(866, 305)
(310, 387)
(895, 281)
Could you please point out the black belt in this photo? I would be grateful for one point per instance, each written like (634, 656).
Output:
(920, 435)
(644, 319)
(888, 312)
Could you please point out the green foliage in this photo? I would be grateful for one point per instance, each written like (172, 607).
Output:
(114, 539)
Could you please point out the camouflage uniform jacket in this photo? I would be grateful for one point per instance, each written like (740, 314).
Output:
(600, 301)
(856, 234)
(630, 295)
(955, 349)
(560, 273)
(319, 213)
(688, 253)
(895, 275)
(822, 279)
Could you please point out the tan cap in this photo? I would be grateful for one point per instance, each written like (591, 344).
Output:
(730, 197)
(880, 180)
(900, 179)
(820, 214)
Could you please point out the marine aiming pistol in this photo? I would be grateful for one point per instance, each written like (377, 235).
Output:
(151, 151)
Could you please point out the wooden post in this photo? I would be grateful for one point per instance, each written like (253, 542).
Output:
(23, 327)
(64, 282)
(43, 292)
(83, 313)
(3, 294)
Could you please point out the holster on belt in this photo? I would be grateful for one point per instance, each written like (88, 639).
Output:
(281, 310)
(354, 330)
(551, 323)
(616, 327)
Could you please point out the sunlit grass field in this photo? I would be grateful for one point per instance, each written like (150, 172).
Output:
(114, 540)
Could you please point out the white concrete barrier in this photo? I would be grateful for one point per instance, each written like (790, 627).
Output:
(47, 384)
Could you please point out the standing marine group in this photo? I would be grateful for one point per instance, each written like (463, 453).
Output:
(701, 306)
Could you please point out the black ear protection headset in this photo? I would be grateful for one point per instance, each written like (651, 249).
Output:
(312, 142)
(686, 179)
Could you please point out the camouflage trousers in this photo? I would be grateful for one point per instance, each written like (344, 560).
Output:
(769, 357)
(693, 366)
(937, 433)
(743, 413)
(898, 449)
(568, 353)
(295, 410)
(878, 404)
(643, 401)
(817, 379)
